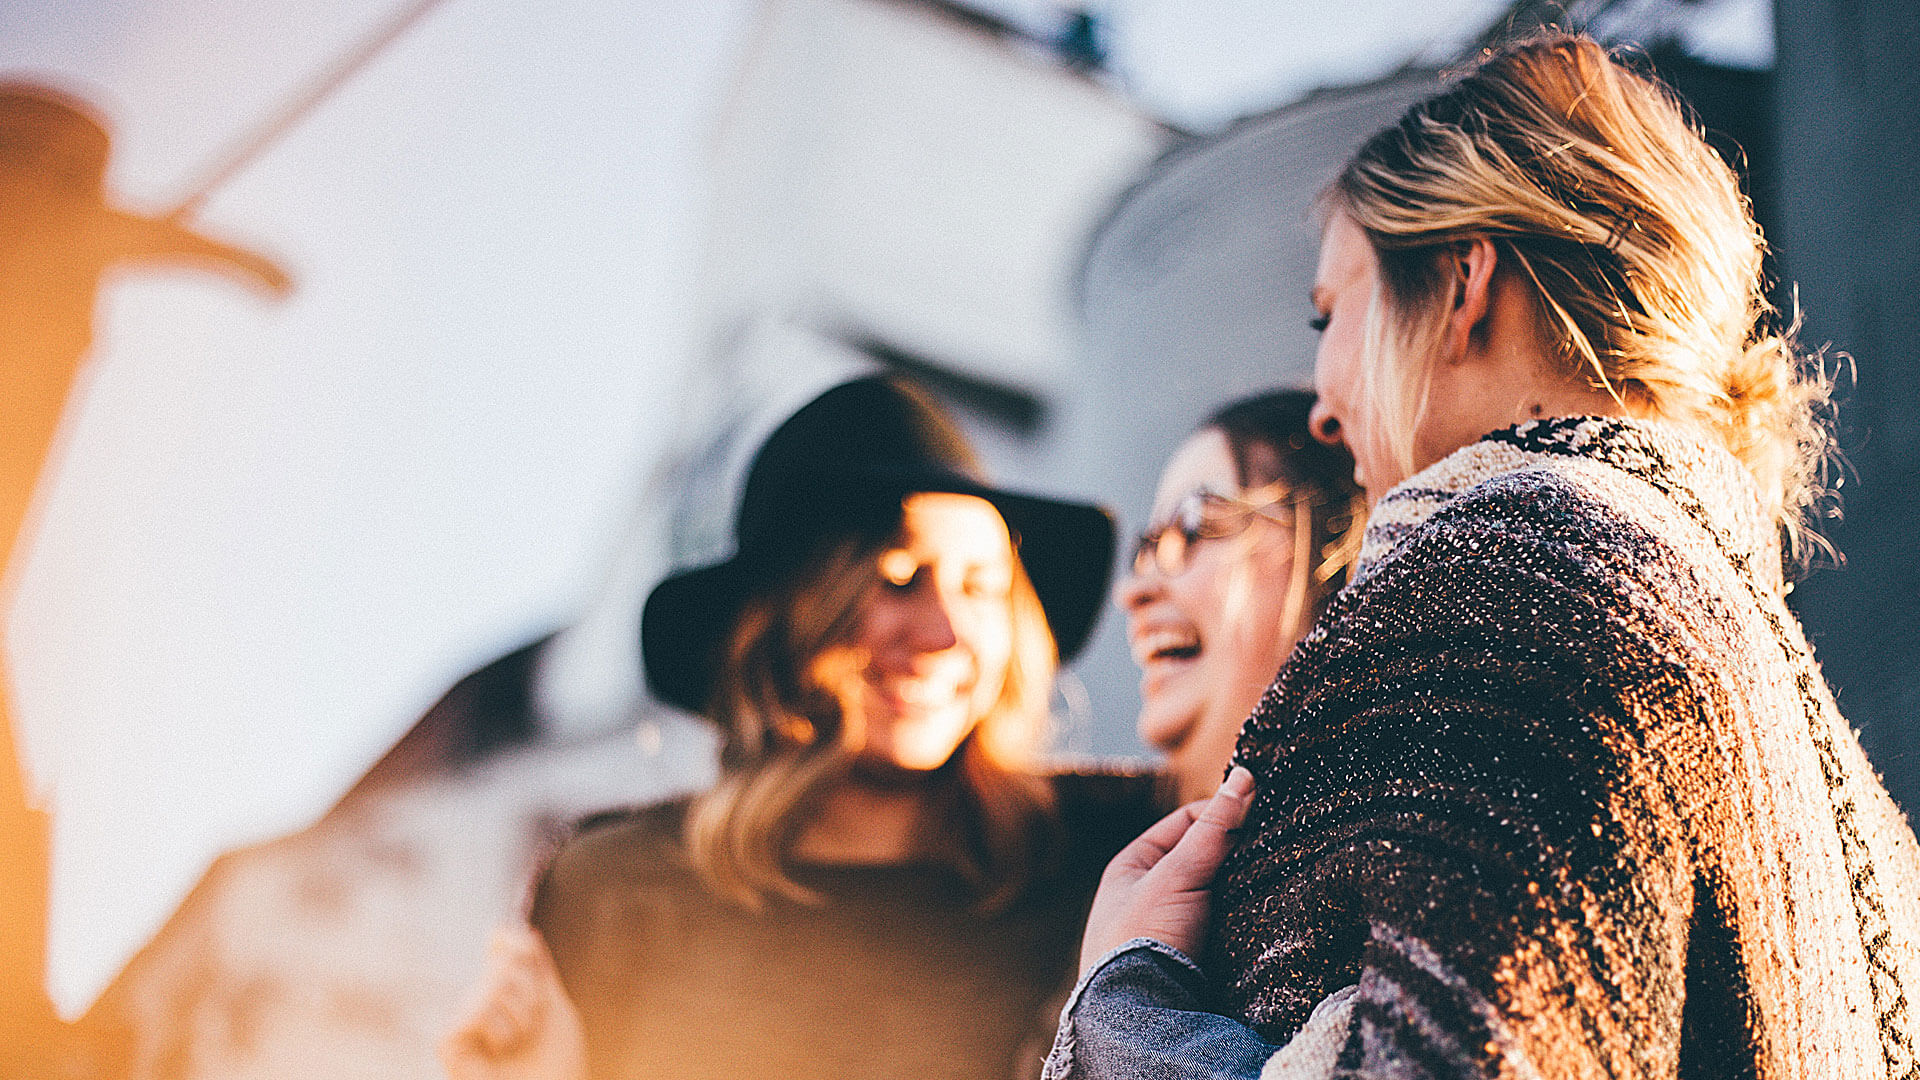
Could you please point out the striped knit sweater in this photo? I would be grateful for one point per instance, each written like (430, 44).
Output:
(1557, 785)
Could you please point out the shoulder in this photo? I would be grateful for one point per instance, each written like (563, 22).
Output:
(1518, 606)
(1610, 493)
(1105, 787)
(1579, 524)
(611, 833)
(1541, 563)
(1558, 582)
(662, 818)
(611, 852)
(1560, 497)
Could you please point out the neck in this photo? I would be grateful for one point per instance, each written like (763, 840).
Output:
(1516, 383)
(867, 825)
(1556, 400)
(1496, 390)
(1497, 368)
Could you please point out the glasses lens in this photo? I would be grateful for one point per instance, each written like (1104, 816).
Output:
(1165, 546)
(1155, 549)
(1142, 553)
(1170, 551)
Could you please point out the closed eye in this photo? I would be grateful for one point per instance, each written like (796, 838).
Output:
(986, 586)
(1319, 323)
(899, 569)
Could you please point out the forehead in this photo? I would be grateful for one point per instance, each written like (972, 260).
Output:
(949, 525)
(1203, 461)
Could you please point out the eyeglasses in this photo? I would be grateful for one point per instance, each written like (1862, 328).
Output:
(1208, 515)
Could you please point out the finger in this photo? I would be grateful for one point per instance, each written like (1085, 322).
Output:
(539, 957)
(537, 976)
(1152, 846)
(1226, 809)
(460, 1058)
(499, 1022)
(474, 1042)
(518, 1010)
(1204, 845)
(505, 1006)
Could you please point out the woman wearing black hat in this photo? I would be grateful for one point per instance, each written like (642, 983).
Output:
(881, 883)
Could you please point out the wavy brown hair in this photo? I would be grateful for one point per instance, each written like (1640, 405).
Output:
(1631, 233)
(786, 742)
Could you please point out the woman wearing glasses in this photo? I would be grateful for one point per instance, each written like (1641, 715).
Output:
(1254, 525)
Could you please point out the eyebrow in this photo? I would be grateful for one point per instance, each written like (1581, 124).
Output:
(1317, 296)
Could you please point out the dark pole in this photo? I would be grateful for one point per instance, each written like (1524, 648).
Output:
(1848, 234)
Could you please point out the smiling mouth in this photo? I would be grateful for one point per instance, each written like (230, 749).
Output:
(920, 695)
(1165, 645)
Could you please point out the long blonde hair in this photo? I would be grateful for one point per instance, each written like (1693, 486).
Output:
(1632, 235)
(785, 743)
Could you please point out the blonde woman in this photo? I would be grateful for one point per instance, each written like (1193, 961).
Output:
(882, 883)
(1554, 788)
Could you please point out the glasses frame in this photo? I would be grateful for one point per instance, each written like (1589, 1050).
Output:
(1167, 545)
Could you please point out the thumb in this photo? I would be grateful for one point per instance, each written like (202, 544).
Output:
(1192, 862)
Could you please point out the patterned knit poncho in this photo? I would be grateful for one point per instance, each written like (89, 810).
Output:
(1557, 784)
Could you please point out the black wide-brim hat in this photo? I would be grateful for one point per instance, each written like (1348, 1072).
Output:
(840, 466)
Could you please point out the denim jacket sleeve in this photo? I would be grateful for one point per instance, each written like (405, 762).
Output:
(1137, 1015)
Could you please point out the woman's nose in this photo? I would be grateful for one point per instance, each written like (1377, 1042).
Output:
(1135, 588)
(932, 623)
(1323, 424)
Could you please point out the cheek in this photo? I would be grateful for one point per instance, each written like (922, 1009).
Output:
(988, 637)
(995, 657)
(1337, 371)
(1204, 594)
(1256, 608)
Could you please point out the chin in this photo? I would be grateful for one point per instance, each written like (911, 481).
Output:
(928, 749)
(919, 761)
(1165, 724)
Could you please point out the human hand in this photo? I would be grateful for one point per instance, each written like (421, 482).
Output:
(1159, 886)
(519, 1023)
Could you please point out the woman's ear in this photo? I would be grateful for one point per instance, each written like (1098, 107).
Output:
(1474, 264)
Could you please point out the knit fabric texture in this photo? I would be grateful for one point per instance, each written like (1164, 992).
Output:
(1557, 785)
